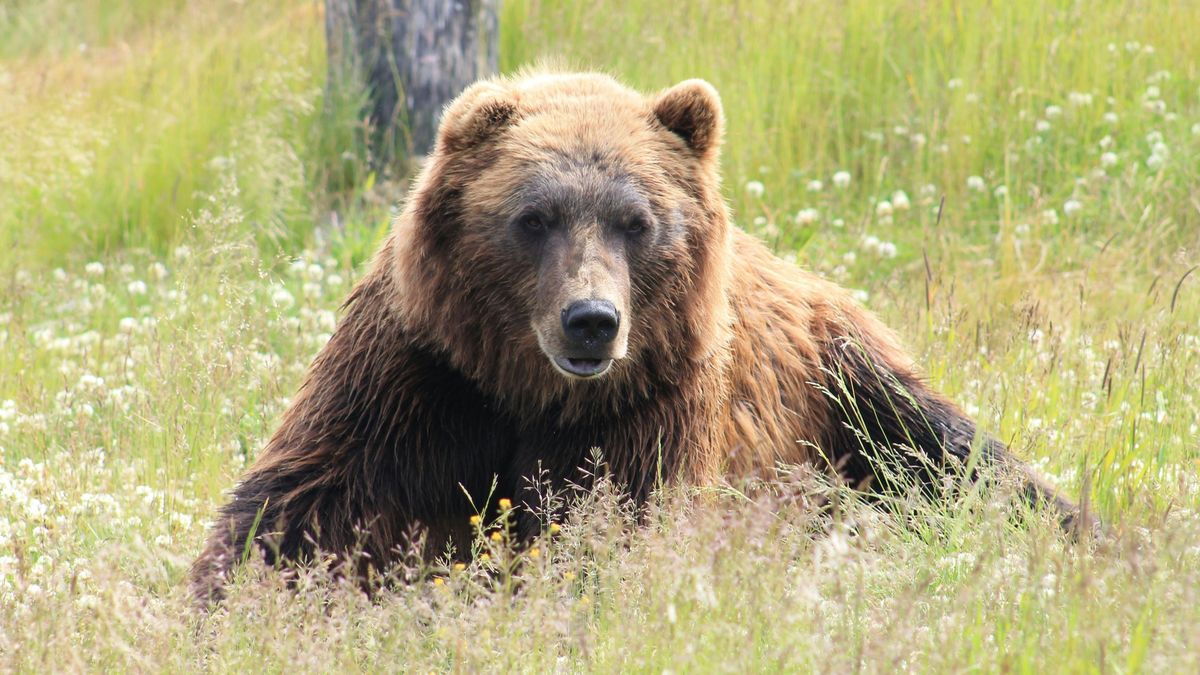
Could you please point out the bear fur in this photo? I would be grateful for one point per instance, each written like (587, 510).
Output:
(437, 381)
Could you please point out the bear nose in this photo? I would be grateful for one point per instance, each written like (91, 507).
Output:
(591, 323)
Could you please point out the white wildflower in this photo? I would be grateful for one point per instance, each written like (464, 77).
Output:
(815, 186)
(841, 179)
(94, 269)
(87, 601)
(807, 216)
(976, 184)
(755, 189)
(1053, 111)
(137, 287)
(1109, 160)
(280, 297)
(900, 201)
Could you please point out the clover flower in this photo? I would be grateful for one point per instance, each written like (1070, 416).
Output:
(806, 216)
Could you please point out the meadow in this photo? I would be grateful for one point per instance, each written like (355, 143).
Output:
(185, 201)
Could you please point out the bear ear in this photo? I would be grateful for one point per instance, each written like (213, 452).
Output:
(692, 111)
(480, 111)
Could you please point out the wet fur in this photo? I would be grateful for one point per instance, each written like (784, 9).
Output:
(738, 361)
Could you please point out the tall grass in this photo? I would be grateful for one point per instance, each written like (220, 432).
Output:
(115, 144)
(1014, 186)
(811, 88)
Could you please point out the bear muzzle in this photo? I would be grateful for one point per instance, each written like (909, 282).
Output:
(589, 330)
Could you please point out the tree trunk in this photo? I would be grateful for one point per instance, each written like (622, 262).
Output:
(412, 57)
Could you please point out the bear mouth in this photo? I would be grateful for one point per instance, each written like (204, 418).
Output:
(582, 367)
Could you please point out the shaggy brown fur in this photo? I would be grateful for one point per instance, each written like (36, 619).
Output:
(437, 381)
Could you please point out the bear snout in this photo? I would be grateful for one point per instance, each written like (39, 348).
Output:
(589, 329)
(590, 325)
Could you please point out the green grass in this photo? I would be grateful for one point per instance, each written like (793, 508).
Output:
(169, 263)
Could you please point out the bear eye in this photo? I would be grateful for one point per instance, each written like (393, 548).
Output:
(531, 222)
(635, 225)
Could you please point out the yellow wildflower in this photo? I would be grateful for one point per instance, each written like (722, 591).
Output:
(505, 504)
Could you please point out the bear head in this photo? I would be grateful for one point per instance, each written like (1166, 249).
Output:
(567, 239)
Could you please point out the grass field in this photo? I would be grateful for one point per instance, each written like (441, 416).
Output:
(184, 204)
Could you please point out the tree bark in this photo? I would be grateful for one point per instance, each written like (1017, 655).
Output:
(412, 57)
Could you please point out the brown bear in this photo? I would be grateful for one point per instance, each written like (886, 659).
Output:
(565, 277)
